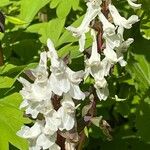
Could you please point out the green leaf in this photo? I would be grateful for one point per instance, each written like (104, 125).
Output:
(145, 4)
(145, 25)
(4, 3)
(6, 82)
(9, 74)
(75, 4)
(52, 30)
(11, 121)
(30, 8)
(143, 119)
(63, 8)
(66, 36)
(15, 21)
(140, 71)
(54, 3)
(26, 47)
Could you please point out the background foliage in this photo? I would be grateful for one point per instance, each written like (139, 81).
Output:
(28, 25)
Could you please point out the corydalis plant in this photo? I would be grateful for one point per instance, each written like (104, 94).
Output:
(53, 97)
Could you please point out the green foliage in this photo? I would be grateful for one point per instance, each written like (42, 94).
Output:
(10, 122)
(145, 25)
(28, 25)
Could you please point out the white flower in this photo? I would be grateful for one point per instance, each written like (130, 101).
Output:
(36, 97)
(92, 11)
(40, 73)
(112, 41)
(36, 91)
(110, 59)
(40, 89)
(34, 108)
(67, 113)
(62, 78)
(121, 21)
(30, 133)
(75, 78)
(37, 138)
(101, 89)
(45, 141)
(110, 55)
(133, 5)
(108, 27)
(53, 122)
(107, 66)
(94, 65)
(122, 49)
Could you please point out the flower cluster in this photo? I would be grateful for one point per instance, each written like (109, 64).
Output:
(114, 44)
(39, 99)
(49, 99)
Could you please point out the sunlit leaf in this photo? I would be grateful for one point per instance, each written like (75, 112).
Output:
(11, 121)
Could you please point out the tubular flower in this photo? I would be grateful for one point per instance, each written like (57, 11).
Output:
(121, 21)
(62, 78)
(92, 11)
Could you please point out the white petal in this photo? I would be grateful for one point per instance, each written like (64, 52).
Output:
(52, 122)
(45, 107)
(52, 52)
(82, 42)
(41, 92)
(92, 11)
(76, 93)
(75, 77)
(111, 55)
(107, 66)
(31, 110)
(97, 71)
(107, 26)
(67, 99)
(32, 132)
(34, 147)
(102, 92)
(133, 5)
(68, 120)
(64, 84)
(54, 147)
(43, 60)
(122, 63)
(133, 19)
(94, 54)
(25, 103)
(54, 85)
(121, 21)
(24, 82)
(45, 142)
